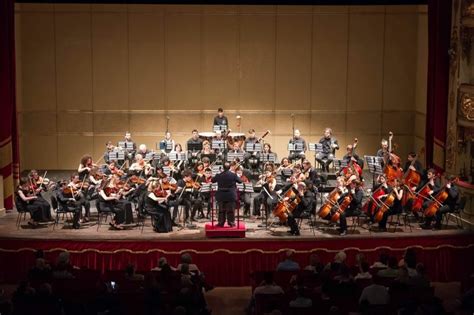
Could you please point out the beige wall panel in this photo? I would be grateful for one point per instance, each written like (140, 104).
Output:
(367, 145)
(398, 122)
(109, 8)
(220, 61)
(367, 9)
(359, 123)
(39, 152)
(365, 61)
(75, 122)
(259, 122)
(110, 60)
(422, 63)
(399, 61)
(185, 123)
(336, 121)
(280, 146)
(420, 125)
(403, 145)
(293, 61)
(329, 74)
(183, 61)
(73, 60)
(147, 123)
(183, 9)
(38, 61)
(258, 9)
(294, 9)
(72, 148)
(40, 123)
(146, 8)
(401, 8)
(71, 7)
(98, 147)
(332, 9)
(220, 9)
(181, 139)
(208, 119)
(147, 67)
(283, 124)
(111, 122)
(257, 57)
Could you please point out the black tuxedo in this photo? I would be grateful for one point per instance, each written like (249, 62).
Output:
(226, 195)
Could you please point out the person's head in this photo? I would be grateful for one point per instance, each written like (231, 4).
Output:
(420, 269)
(349, 148)
(236, 146)
(451, 178)
(251, 133)
(306, 164)
(112, 165)
(187, 175)
(340, 257)
(208, 172)
(285, 161)
(34, 174)
(184, 268)
(40, 263)
(289, 254)
(268, 277)
(360, 258)
(431, 173)
(24, 182)
(142, 148)
(364, 266)
(206, 145)
(199, 166)
(327, 133)
(382, 179)
(220, 112)
(128, 136)
(206, 161)
(195, 133)
(86, 159)
(178, 148)
(314, 259)
(384, 144)
(138, 157)
(109, 145)
(226, 166)
(392, 262)
(186, 258)
(411, 156)
(39, 253)
(167, 135)
(130, 269)
(297, 133)
(267, 148)
(63, 258)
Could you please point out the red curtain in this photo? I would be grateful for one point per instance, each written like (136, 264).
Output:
(9, 157)
(230, 262)
(439, 30)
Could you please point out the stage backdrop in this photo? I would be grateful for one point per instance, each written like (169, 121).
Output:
(87, 73)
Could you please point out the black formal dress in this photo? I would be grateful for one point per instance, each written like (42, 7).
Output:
(160, 214)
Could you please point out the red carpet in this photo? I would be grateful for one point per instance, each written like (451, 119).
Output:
(228, 262)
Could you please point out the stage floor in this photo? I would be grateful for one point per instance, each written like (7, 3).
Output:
(321, 231)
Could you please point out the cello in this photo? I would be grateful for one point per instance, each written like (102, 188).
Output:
(287, 204)
(332, 199)
(438, 200)
(411, 179)
(353, 168)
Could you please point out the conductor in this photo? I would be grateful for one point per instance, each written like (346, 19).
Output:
(226, 195)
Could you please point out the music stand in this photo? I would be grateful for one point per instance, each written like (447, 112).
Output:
(268, 157)
(151, 156)
(339, 164)
(167, 170)
(194, 147)
(163, 145)
(315, 147)
(295, 147)
(216, 169)
(253, 147)
(374, 164)
(116, 155)
(174, 156)
(232, 156)
(287, 172)
(218, 144)
(219, 128)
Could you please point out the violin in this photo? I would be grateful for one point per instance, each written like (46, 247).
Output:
(169, 186)
(160, 193)
(134, 179)
(193, 184)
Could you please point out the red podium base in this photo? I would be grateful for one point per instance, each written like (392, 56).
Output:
(225, 231)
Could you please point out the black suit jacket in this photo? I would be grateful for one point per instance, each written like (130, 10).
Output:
(226, 183)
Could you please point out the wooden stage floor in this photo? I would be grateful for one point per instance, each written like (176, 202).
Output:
(322, 231)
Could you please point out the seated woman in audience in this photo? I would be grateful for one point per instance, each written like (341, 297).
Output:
(162, 262)
(187, 259)
(288, 264)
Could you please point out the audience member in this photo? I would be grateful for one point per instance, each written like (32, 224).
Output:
(409, 261)
(315, 264)
(374, 294)
(288, 264)
(363, 271)
(161, 263)
(391, 271)
(382, 262)
(187, 259)
(301, 301)
(63, 268)
(130, 273)
(268, 286)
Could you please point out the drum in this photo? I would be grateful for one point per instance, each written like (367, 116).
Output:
(235, 137)
(207, 135)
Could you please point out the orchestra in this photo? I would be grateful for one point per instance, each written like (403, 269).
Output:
(159, 182)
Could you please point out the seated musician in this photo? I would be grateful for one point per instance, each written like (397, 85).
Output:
(39, 183)
(140, 166)
(167, 144)
(128, 138)
(109, 147)
(79, 192)
(424, 190)
(417, 167)
(250, 158)
(299, 141)
(111, 199)
(205, 197)
(220, 119)
(244, 197)
(330, 146)
(143, 150)
(156, 204)
(451, 204)
(194, 142)
(39, 211)
(311, 173)
(85, 166)
(186, 193)
(65, 198)
(303, 209)
(396, 208)
(268, 182)
(206, 148)
(112, 169)
(236, 148)
(355, 189)
(285, 170)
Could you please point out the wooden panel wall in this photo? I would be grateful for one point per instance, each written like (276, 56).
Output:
(87, 73)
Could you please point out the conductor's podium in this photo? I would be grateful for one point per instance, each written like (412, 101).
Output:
(213, 231)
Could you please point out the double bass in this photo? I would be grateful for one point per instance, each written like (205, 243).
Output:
(411, 179)
(353, 168)
(392, 163)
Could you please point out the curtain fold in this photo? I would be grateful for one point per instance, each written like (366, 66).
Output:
(9, 157)
(439, 30)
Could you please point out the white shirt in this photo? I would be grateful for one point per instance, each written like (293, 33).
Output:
(375, 294)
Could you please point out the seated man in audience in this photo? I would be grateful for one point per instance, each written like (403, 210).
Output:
(187, 259)
(374, 294)
(288, 264)
(315, 264)
(268, 286)
(162, 262)
(382, 262)
(131, 275)
(363, 271)
(392, 269)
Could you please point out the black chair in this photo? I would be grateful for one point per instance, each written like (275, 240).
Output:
(61, 208)
(22, 211)
(102, 213)
(456, 213)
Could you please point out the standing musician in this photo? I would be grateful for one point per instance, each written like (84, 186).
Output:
(220, 119)
(156, 204)
(85, 166)
(251, 139)
(297, 140)
(194, 142)
(167, 144)
(306, 205)
(226, 195)
(357, 193)
(111, 199)
(39, 211)
(395, 208)
(352, 156)
(450, 204)
(383, 151)
(330, 146)
(77, 189)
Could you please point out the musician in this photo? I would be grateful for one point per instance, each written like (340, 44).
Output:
(412, 158)
(285, 170)
(396, 208)
(196, 144)
(85, 166)
(128, 138)
(244, 197)
(206, 162)
(268, 195)
(330, 146)
(425, 189)
(111, 199)
(143, 150)
(167, 144)
(109, 147)
(357, 193)
(66, 199)
(236, 148)
(78, 191)
(156, 204)
(220, 119)
(39, 211)
(451, 204)
(185, 196)
(297, 140)
(112, 169)
(305, 206)
(383, 151)
(39, 183)
(351, 156)
(205, 197)
(140, 166)
(206, 150)
(251, 138)
(310, 173)
(250, 158)
(226, 195)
